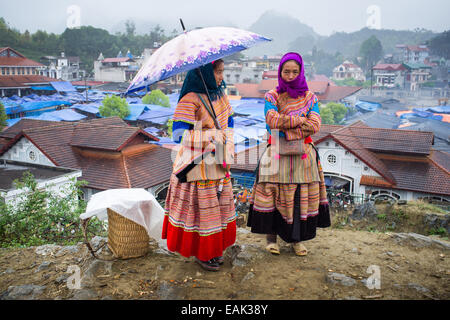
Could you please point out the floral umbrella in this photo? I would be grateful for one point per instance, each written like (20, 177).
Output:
(191, 50)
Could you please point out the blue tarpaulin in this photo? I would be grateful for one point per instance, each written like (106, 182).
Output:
(37, 105)
(89, 108)
(63, 86)
(45, 88)
(365, 106)
(136, 110)
(440, 109)
(60, 115)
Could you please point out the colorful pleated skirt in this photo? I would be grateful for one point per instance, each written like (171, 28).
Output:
(197, 222)
(291, 211)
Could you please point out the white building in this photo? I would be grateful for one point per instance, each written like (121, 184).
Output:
(383, 162)
(348, 70)
(411, 54)
(115, 69)
(389, 75)
(62, 68)
(56, 180)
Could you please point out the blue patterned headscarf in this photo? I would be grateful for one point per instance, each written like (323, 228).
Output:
(193, 83)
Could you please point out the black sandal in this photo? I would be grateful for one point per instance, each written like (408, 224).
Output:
(211, 265)
(219, 260)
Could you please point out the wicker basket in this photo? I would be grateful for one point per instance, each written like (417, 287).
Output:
(126, 239)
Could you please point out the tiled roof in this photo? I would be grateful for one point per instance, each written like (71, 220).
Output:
(125, 59)
(21, 81)
(248, 90)
(110, 153)
(394, 141)
(374, 181)
(337, 93)
(14, 130)
(19, 60)
(390, 67)
(419, 176)
(441, 159)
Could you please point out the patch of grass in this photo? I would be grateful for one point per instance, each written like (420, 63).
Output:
(381, 216)
(423, 206)
(442, 232)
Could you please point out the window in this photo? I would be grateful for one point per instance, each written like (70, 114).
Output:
(336, 144)
(366, 168)
(327, 143)
(347, 153)
(356, 161)
(331, 159)
(32, 155)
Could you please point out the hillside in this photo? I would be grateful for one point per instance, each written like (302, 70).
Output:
(338, 266)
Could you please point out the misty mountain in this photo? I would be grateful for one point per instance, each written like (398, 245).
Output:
(282, 29)
(349, 44)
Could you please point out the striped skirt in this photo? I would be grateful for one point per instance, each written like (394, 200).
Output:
(196, 222)
(292, 211)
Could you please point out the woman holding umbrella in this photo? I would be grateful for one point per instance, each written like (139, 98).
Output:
(200, 216)
(289, 197)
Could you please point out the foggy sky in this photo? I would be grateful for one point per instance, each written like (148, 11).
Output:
(324, 16)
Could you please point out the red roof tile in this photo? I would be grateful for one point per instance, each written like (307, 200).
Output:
(21, 81)
(19, 60)
(123, 160)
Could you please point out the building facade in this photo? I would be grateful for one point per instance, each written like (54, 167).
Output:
(389, 75)
(348, 70)
(62, 68)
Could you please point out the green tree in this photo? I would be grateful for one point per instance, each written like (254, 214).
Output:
(371, 51)
(3, 117)
(339, 111)
(326, 114)
(39, 216)
(114, 106)
(156, 97)
(440, 45)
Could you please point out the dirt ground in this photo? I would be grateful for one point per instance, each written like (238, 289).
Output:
(406, 271)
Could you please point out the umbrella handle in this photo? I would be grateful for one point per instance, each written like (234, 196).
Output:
(182, 25)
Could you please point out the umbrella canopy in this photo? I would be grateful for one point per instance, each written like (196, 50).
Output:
(191, 50)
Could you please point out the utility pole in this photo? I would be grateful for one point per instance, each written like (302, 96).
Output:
(371, 78)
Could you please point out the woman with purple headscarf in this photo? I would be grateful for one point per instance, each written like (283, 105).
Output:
(289, 198)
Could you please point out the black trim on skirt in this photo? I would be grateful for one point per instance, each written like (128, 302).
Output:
(299, 230)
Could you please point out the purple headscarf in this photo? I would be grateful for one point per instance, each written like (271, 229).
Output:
(296, 87)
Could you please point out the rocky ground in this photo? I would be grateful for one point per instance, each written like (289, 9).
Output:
(341, 264)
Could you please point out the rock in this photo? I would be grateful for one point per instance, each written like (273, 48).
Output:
(363, 211)
(243, 254)
(24, 292)
(418, 287)
(97, 266)
(97, 242)
(338, 278)
(48, 249)
(248, 276)
(63, 278)
(43, 266)
(85, 294)
(9, 271)
(168, 292)
(418, 240)
(68, 250)
(437, 221)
